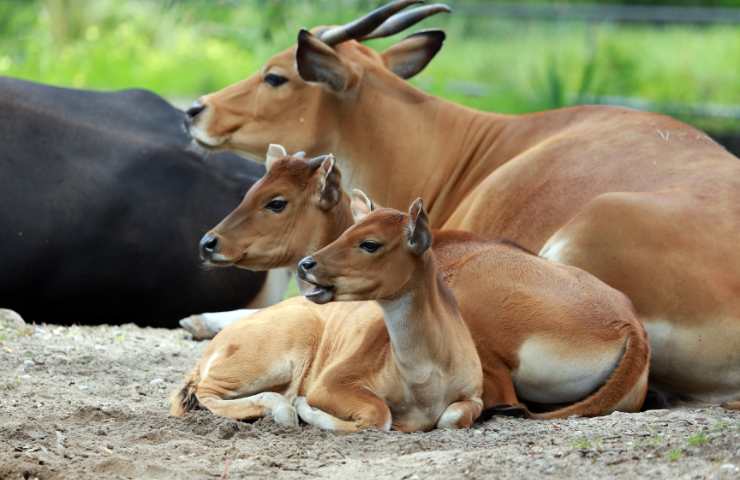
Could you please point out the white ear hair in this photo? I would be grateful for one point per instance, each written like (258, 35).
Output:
(327, 165)
(360, 204)
(274, 151)
(419, 235)
(300, 154)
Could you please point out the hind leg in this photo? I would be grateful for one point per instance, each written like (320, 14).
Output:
(256, 406)
(499, 396)
(676, 258)
(205, 326)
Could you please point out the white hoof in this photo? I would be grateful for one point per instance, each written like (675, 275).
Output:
(285, 415)
(197, 326)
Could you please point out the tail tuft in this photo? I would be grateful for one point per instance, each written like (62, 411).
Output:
(184, 400)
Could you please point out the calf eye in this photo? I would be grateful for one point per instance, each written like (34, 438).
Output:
(276, 205)
(275, 80)
(370, 246)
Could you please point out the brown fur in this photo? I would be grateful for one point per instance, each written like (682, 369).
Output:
(646, 203)
(432, 374)
(499, 273)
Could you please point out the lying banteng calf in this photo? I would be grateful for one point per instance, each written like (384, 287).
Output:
(545, 332)
(431, 373)
(349, 374)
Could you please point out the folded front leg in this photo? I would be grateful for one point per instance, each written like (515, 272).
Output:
(461, 414)
(344, 409)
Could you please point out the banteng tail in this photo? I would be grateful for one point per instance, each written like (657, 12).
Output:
(625, 388)
(184, 400)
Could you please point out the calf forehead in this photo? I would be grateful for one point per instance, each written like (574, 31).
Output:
(287, 174)
(291, 169)
(383, 220)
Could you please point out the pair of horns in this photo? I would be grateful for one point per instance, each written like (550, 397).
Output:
(382, 22)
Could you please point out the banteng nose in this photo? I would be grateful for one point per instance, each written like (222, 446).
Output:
(208, 246)
(195, 109)
(306, 264)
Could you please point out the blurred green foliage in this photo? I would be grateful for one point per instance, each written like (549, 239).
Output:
(184, 48)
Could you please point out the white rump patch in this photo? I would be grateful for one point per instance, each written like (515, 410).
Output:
(553, 249)
(551, 371)
(701, 360)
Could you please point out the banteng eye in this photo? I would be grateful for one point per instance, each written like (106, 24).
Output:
(370, 246)
(275, 80)
(276, 205)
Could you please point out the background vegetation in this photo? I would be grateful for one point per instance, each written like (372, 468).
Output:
(184, 48)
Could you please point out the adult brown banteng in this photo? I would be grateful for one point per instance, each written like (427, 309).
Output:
(646, 203)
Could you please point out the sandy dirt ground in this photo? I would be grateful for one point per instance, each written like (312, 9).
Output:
(91, 402)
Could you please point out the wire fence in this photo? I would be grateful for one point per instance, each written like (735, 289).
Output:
(604, 13)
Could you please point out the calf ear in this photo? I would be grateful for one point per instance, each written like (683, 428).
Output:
(361, 205)
(274, 151)
(418, 235)
(318, 62)
(409, 56)
(330, 180)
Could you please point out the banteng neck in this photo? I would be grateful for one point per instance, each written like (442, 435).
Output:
(421, 320)
(408, 144)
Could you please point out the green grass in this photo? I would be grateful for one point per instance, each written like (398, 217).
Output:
(185, 49)
(292, 290)
(675, 455)
(582, 443)
(697, 440)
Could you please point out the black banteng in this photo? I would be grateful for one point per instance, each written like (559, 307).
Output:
(102, 202)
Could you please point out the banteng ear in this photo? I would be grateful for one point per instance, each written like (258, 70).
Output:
(361, 205)
(418, 235)
(274, 151)
(318, 62)
(409, 56)
(330, 180)
(300, 154)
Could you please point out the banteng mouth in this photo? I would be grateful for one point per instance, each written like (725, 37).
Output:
(317, 293)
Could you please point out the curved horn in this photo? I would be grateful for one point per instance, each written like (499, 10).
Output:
(365, 24)
(402, 21)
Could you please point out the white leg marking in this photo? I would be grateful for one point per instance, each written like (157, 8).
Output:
(314, 416)
(449, 418)
(276, 405)
(207, 325)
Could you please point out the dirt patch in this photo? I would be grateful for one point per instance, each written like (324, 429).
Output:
(91, 402)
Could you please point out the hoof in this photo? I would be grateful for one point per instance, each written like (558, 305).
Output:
(285, 415)
(197, 326)
(507, 410)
